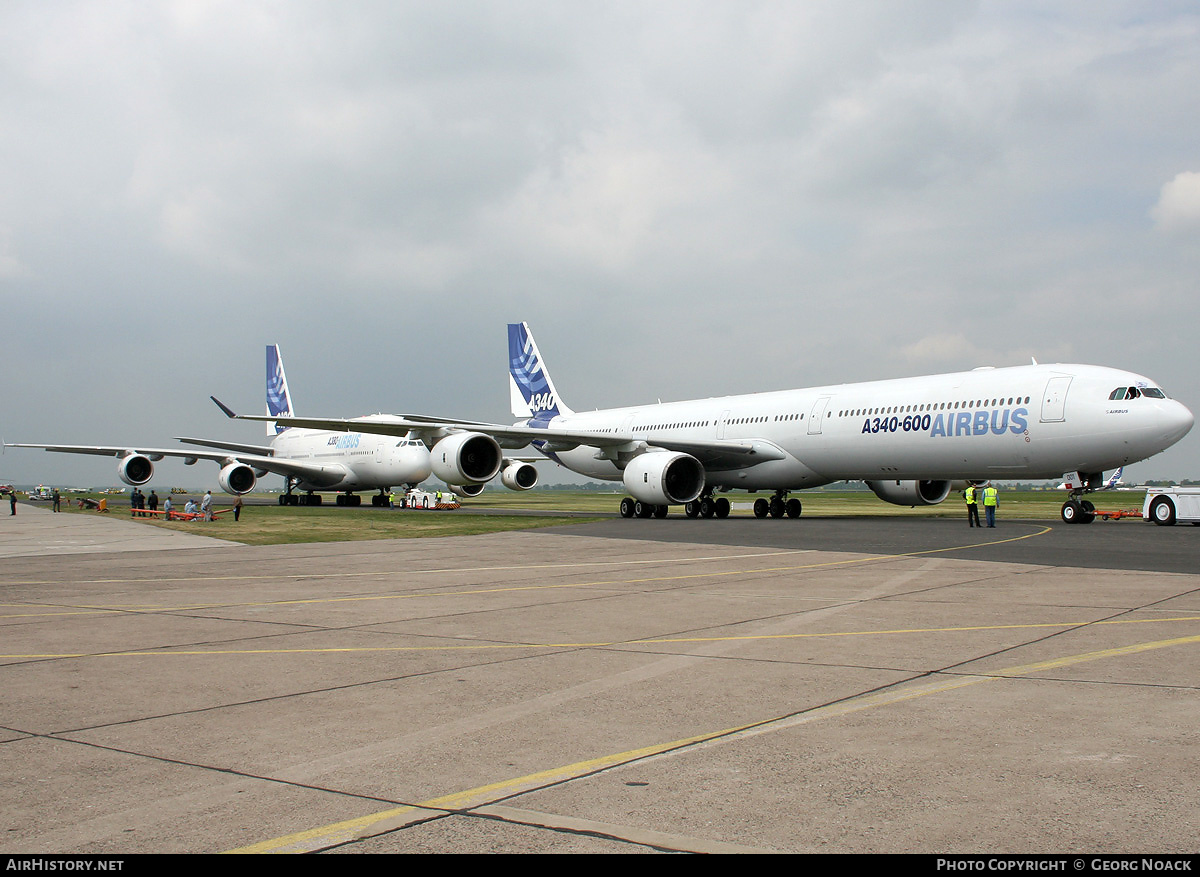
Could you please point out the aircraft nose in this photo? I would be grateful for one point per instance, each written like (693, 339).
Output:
(1179, 421)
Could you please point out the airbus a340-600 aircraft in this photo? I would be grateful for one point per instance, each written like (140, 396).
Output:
(909, 439)
(344, 460)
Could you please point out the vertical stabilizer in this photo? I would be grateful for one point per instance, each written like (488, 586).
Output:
(531, 391)
(279, 401)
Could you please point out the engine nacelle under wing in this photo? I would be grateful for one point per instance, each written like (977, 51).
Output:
(466, 458)
(664, 478)
(467, 489)
(519, 476)
(135, 469)
(911, 493)
(236, 478)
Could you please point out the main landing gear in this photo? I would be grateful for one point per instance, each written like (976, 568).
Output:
(289, 498)
(706, 506)
(635, 508)
(777, 506)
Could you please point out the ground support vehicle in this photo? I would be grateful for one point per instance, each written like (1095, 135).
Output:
(1166, 506)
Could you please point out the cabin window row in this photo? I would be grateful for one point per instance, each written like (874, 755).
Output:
(934, 406)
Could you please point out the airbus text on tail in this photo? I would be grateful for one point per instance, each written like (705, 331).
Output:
(531, 391)
(279, 402)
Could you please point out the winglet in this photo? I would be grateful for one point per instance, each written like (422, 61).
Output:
(228, 411)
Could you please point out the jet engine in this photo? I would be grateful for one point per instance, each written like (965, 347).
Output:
(519, 476)
(466, 458)
(911, 493)
(135, 469)
(467, 489)
(236, 478)
(664, 478)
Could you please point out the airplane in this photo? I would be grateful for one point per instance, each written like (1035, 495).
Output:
(912, 440)
(312, 460)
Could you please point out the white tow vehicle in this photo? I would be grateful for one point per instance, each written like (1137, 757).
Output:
(1168, 505)
(416, 498)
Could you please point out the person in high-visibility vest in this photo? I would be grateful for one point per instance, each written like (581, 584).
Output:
(991, 499)
(972, 506)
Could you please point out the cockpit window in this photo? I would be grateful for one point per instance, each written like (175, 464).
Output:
(1134, 392)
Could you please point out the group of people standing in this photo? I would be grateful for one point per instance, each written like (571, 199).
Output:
(991, 500)
(138, 501)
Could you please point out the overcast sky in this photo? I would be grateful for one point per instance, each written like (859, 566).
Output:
(682, 199)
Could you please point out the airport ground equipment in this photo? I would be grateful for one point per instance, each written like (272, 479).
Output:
(1167, 506)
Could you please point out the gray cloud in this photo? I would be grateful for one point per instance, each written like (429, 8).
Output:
(682, 199)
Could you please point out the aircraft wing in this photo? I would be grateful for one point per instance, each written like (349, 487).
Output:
(261, 450)
(311, 472)
(716, 454)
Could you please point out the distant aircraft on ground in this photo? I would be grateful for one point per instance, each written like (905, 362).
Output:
(343, 460)
(909, 439)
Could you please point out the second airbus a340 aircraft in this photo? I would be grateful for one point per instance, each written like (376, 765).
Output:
(909, 439)
(346, 460)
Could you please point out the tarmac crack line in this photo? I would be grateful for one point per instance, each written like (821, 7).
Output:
(920, 685)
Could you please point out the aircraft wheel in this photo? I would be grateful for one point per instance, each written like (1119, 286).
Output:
(761, 508)
(793, 508)
(661, 511)
(627, 508)
(1087, 512)
(708, 507)
(293, 499)
(776, 508)
(283, 499)
(643, 509)
(1162, 512)
(692, 509)
(722, 508)
(1070, 512)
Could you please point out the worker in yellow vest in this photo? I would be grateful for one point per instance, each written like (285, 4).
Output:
(971, 495)
(991, 499)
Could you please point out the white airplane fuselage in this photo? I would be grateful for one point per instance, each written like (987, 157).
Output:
(356, 461)
(1035, 421)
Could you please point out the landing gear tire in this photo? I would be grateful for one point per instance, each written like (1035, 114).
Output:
(776, 508)
(643, 509)
(722, 508)
(1078, 512)
(1162, 512)
(692, 509)
(793, 508)
(708, 507)
(661, 511)
(627, 508)
(761, 508)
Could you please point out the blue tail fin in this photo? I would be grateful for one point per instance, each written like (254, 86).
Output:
(531, 391)
(279, 401)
